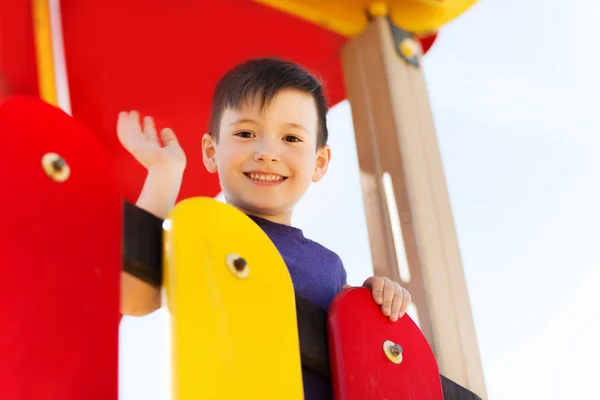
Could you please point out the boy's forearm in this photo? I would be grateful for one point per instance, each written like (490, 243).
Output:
(158, 197)
(138, 298)
(160, 191)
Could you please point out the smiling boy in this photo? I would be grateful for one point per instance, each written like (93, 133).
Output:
(267, 141)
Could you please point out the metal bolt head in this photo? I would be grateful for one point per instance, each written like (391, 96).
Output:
(410, 48)
(56, 167)
(393, 351)
(238, 266)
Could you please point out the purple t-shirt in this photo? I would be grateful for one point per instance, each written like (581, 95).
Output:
(318, 276)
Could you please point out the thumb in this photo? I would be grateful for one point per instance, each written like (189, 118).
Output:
(168, 138)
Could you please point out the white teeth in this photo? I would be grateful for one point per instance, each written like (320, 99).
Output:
(265, 178)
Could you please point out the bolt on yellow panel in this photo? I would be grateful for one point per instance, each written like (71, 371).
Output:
(232, 306)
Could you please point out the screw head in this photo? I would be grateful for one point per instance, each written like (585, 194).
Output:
(237, 265)
(56, 167)
(393, 351)
(410, 48)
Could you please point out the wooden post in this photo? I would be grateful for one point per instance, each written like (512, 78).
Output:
(409, 216)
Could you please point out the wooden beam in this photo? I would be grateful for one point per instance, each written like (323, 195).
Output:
(396, 143)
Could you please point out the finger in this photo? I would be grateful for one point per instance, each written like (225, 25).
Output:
(134, 122)
(388, 296)
(406, 300)
(397, 301)
(122, 124)
(167, 136)
(375, 283)
(126, 130)
(150, 129)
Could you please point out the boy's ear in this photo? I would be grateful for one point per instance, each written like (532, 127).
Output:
(209, 152)
(323, 158)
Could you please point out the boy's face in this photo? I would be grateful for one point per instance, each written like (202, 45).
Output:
(267, 158)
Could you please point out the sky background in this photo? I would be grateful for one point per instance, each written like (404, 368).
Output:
(514, 90)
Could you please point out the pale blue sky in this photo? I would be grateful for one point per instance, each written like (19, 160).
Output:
(518, 121)
(517, 113)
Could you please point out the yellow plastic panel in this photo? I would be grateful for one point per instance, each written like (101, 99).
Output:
(234, 331)
(349, 18)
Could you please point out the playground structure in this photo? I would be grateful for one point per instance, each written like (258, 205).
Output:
(380, 66)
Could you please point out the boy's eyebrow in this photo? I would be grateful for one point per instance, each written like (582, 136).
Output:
(243, 120)
(250, 120)
(294, 125)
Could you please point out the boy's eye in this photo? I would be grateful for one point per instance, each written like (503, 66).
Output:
(292, 139)
(244, 134)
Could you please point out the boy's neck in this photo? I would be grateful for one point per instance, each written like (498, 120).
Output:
(283, 219)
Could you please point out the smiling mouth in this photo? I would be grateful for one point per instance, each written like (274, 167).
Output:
(265, 177)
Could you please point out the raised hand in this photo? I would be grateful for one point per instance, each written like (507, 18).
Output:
(145, 144)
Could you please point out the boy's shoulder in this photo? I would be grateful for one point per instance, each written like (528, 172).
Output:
(291, 238)
(323, 257)
(318, 247)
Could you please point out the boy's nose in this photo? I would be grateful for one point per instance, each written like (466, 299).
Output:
(267, 155)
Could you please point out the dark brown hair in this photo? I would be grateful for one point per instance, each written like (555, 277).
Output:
(266, 77)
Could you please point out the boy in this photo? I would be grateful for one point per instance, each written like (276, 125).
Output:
(268, 141)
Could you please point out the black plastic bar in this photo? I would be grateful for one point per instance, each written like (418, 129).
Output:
(142, 244)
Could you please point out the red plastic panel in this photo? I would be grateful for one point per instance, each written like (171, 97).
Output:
(61, 260)
(428, 41)
(360, 368)
(18, 70)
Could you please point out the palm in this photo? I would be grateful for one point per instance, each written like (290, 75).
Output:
(144, 144)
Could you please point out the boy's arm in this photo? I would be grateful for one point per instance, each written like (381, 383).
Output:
(165, 161)
(158, 197)
(160, 191)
